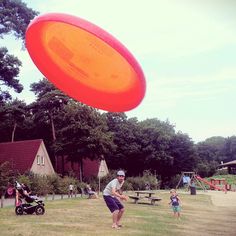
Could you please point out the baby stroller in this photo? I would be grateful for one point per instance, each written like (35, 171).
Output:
(26, 203)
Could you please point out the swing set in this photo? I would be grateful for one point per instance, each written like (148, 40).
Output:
(189, 179)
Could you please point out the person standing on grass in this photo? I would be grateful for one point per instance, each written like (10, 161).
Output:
(112, 196)
(71, 189)
(175, 203)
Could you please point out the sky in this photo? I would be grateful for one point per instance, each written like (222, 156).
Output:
(186, 48)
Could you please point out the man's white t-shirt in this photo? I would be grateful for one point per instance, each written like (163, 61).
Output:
(113, 184)
(71, 187)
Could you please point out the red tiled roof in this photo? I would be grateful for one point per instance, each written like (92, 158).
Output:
(20, 154)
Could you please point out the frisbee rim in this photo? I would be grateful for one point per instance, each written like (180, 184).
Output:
(105, 37)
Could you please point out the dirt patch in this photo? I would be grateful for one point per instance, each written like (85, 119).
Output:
(219, 198)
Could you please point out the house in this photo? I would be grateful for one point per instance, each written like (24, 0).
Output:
(88, 168)
(231, 165)
(28, 155)
(96, 168)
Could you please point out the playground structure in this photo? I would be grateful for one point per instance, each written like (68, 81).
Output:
(192, 177)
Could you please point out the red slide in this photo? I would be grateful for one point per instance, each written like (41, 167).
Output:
(209, 183)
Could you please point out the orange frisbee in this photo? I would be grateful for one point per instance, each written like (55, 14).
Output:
(85, 62)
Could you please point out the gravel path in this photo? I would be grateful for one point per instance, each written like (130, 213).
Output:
(11, 201)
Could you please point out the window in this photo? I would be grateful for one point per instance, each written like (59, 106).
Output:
(42, 161)
(38, 160)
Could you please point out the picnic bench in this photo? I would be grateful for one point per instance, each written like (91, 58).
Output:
(154, 199)
(135, 198)
(148, 196)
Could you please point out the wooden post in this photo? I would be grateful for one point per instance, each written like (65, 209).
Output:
(2, 200)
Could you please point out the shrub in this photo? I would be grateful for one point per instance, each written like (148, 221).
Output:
(64, 184)
(54, 183)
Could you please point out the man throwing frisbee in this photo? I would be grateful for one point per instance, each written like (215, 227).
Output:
(112, 197)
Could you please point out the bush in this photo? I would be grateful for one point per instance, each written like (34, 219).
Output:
(139, 183)
(222, 172)
(54, 183)
(93, 181)
(64, 184)
(40, 185)
(6, 177)
(174, 181)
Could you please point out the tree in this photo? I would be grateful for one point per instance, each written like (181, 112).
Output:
(9, 70)
(46, 113)
(83, 133)
(156, 137)
(49, 103)
(229, 149)
(42, 87)
(128, 150)
(12, 115)
(6, 176)
(15, 17)
(183, 152)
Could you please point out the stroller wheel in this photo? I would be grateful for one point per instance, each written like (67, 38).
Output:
(39, 210)
(19, 210)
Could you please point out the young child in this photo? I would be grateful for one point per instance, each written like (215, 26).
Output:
(175, 203)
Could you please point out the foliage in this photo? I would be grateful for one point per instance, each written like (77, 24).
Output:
(15, 17)
(222, 171)
(139, 182)
(230, 179)
(12, 115)
(174, 180)
(132, 183)
(25, 179)
(48, 106)
(42, 185)
(205, 168)
(83, 133)
(6, 176)
(64, 184)
(54, 183)
(9, 71)
(151, 144)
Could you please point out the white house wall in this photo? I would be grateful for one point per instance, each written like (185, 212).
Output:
(42, 164)
(103, 170)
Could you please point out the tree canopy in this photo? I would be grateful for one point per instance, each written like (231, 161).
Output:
(14, 19)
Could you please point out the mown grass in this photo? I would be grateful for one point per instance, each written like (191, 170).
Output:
(80, 216)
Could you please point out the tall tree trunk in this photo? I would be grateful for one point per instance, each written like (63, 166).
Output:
(63, 164)
(53, 128)
(2, 200)
(81, 170)
(13, 132)
(54, 139)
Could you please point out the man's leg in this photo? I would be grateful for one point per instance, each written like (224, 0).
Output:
(115, 218)
(120, 213)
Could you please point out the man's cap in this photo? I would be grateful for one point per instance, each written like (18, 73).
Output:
(121, 172)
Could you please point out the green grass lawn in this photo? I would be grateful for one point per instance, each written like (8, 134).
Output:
(79, 216)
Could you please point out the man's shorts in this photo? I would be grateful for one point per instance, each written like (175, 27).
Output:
(113, 203)
(176, 208)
